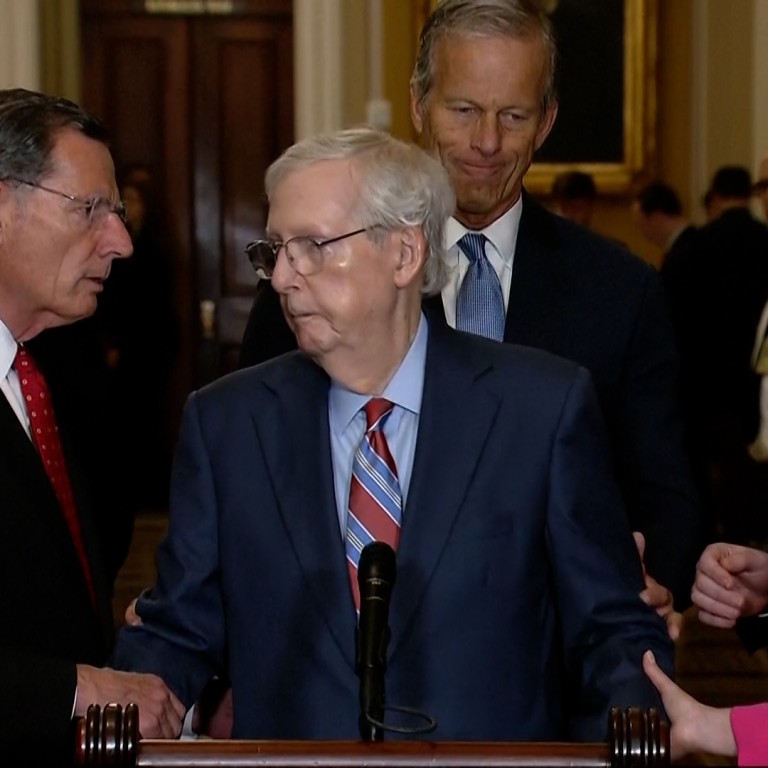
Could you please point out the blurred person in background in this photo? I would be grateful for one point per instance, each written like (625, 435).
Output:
(573, 196)
(140, 338)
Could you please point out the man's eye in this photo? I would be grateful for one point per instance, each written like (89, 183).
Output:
(513, 118)
(97, 208)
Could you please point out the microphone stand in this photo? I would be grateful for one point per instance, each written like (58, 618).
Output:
(376, 576)
(372, 698)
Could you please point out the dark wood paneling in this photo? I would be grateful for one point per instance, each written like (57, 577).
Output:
(206, 100)
(244, 119)
(136, 79)
(142, 92)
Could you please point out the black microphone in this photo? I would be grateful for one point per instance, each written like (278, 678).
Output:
(376, 577)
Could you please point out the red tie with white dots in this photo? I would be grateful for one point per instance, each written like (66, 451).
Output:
(45, 435)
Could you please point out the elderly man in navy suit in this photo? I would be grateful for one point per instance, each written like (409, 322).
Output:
(516, 613)
(483, 101)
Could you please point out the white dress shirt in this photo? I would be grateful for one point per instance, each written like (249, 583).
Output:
(9, 379)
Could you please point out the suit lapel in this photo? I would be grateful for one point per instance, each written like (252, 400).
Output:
(86, 516)
(535, 278)
(300, 463)
(20, 457)
(443, 465)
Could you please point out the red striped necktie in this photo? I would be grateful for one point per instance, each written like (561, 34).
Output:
(375, 500)
(45, 435)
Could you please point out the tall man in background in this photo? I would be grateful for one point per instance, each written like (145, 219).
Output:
(483, 100)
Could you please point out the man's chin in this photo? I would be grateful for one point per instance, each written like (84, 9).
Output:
(85, 306)
(477, 200)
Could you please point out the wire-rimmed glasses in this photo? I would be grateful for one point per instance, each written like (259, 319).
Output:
(305, 254)
(96, 208)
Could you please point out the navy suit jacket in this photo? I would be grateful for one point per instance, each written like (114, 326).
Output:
(587, 299)
(515, 615)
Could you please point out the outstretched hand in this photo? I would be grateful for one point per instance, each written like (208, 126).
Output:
(695, 727)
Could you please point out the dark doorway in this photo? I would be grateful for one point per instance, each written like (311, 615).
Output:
(204, 100)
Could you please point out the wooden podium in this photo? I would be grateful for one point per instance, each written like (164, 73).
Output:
(110, 739)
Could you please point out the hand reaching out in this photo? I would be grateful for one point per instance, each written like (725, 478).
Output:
(695, 726)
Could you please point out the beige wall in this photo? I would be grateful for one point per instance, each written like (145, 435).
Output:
(60, 47)
(355, 62)
(19, 35)
(400, 49)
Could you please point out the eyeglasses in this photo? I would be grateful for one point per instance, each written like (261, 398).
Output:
(96, 209)
(305, 254)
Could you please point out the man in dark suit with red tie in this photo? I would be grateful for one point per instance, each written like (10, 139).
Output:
(61, 225)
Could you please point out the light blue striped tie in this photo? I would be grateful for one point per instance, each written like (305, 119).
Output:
(480, 303)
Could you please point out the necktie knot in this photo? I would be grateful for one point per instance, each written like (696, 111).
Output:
(472, 245)
(377, 410)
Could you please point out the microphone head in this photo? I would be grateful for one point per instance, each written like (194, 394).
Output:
(377, 563)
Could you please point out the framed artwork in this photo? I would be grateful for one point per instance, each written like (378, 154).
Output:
(606, 123)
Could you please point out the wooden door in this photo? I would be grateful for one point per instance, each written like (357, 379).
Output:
(206, 101)
(243, 118)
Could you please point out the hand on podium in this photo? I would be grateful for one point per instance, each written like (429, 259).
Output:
(160, 712)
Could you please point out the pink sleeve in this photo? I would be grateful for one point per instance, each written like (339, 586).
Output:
(750, 729)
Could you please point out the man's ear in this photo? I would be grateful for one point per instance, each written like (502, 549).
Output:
(411, 255)
(6, 199)
(417, 117)
(545, 126)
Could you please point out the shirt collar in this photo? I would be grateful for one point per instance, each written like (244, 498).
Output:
(405, 388)
(502, 233)
(8, 348)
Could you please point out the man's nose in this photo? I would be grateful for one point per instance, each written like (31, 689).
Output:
(116, 240)
(487, 134)
(283, 275)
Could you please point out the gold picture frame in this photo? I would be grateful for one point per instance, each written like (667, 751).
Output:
(634, 110)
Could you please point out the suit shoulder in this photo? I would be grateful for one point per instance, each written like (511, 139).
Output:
(514, 361)
(582, 248)
(271, 374)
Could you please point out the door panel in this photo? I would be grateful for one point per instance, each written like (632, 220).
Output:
(206, 101)
(136, 79)
(243, 119)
